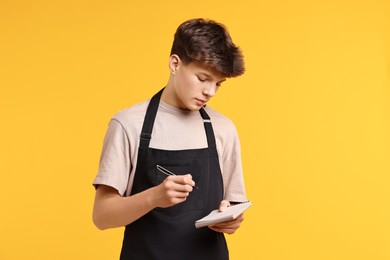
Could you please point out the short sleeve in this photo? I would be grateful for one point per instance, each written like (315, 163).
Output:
(232, 166)
(114, 164)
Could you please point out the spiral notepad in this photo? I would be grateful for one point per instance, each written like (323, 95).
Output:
(229, 213)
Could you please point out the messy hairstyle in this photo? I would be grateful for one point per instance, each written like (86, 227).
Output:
(209, 43)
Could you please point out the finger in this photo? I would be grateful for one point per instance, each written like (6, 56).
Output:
(236, 221)
(223, 230)
(228, 226)
(181, 187)
(190, 181)
(228, 223)
(223, 205)
(178, 194)
(183, 179)
(221, 226)
(173, 185)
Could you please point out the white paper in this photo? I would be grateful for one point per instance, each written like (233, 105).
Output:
(229, 213)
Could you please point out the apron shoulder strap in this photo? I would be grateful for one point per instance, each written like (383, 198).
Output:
(146, 133)
(209, 129)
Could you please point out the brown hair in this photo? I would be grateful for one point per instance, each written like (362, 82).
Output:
(209, 43)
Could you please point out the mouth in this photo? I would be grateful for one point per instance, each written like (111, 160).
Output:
(200, 102)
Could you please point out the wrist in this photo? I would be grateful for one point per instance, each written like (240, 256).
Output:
(151, 198)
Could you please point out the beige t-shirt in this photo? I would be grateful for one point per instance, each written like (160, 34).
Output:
(174, 129)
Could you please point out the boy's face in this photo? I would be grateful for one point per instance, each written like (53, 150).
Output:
(191, 85)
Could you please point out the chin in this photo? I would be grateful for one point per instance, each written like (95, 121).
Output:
(197, 107)
(194, 108)
(191, 107)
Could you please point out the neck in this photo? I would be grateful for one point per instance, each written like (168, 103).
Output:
(169, 94)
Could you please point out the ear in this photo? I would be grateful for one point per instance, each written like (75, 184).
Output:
(174, 63)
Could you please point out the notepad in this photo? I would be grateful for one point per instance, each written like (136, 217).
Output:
(229, 213)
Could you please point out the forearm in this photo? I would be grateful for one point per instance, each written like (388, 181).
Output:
(112, 210)
(116, 211)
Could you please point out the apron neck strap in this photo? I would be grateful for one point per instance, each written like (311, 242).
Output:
(151, 112)
(209, 128)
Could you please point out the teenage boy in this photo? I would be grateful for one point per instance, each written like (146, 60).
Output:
(171, 160)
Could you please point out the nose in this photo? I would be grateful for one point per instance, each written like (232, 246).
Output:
(210, 90)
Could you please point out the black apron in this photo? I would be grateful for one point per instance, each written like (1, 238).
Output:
(170, 233)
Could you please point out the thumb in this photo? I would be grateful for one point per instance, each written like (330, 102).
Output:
(224, 204)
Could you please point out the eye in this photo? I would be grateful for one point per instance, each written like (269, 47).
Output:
(201, 79)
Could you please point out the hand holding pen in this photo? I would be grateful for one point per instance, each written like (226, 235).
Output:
(174, 189)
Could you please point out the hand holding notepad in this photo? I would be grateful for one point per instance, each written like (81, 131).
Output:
(217, 216)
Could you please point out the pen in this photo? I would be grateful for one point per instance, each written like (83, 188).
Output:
(168, 172)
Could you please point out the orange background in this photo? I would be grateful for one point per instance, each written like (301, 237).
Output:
(312, 112)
